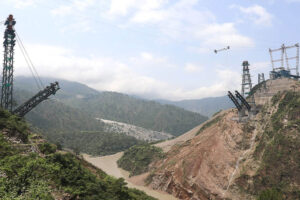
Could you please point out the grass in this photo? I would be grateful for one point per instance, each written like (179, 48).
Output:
(278, 150)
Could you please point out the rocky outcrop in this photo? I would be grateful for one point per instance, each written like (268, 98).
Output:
(202, 166)
(223, 159)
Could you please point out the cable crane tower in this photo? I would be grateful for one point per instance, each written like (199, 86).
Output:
(246, 79)
(262, 80)
(7, 74)
(285, 68)
(8, 64)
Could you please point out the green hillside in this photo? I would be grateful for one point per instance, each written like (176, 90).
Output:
(31, 168)
(73, 129)
(122, 108)
(147, 114)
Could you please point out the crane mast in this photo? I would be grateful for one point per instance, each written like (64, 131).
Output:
(8, 64)
(8, 76)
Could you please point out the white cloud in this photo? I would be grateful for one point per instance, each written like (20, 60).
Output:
(23, 3)
(179, 20)
(263, 65)
(80, 20)
(191, 68)
(149, 60)
(292, 1)
(258, 14)
(122, 7)
(62, 11)
(223, 35)
(182, 20)
(108, 74)
(226, 80)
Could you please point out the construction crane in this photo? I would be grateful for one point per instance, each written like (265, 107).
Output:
(42, 95)
(224, 49)
(235, 101)
(284, 70)
(8, 64)
(7, 76)
(243, 101)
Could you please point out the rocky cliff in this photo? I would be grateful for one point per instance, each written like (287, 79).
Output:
(225, 159)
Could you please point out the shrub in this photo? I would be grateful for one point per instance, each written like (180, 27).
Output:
(137, 159)
(47, 148)
(270, 194)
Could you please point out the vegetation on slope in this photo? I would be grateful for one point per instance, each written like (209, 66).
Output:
(76, 106)
(54, 116)
(74, 129)
(278, 151)
(97, 143)
(32, 175)
(136, 160)
(146, 114)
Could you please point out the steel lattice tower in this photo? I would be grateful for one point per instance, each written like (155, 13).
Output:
(246, 80)
(8, 65)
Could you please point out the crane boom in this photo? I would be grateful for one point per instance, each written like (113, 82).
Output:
(235, 101)
(243, 100)
(42, 95)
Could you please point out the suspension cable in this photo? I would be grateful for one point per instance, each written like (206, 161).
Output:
(35, 79)
(30, 61)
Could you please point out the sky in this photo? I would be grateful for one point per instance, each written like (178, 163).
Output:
(156, 49)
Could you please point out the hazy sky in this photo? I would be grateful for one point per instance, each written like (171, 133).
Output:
(152, 48)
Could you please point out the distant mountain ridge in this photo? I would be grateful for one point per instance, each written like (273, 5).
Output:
(119, 107)
(206, 106)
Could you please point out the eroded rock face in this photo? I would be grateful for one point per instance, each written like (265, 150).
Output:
(201, 167)
(231, 160)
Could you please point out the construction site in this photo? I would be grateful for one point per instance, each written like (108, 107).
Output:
(229, 156)
(282, 77)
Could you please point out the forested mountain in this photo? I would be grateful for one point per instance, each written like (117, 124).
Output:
(147, 114)
(74, 129)
(54, 116)
(120, 107)
(205, 106)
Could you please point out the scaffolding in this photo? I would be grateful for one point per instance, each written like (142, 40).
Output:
(285, 68)
(246, 80)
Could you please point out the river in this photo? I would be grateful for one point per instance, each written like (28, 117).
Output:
(109, 165)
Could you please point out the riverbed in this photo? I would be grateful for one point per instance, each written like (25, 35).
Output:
(109, 165)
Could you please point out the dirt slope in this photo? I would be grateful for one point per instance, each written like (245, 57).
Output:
(200, 167)
(221, 159)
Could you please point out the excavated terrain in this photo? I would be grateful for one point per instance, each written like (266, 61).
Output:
(224, 159)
